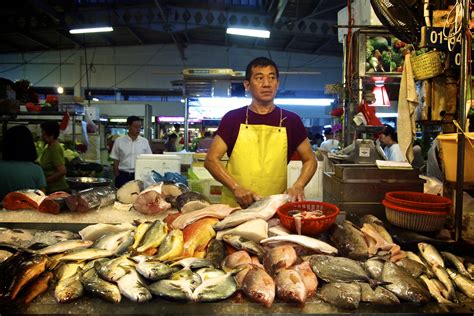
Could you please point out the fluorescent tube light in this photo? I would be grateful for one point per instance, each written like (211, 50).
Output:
(92, 30)
(248, 32)
(381, 115)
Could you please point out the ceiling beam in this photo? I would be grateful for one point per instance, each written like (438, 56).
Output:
(280, 9)
(168, 29)
(135, 35)
(318, 48)
(289, 42)
(68, 37)
(314, 14)
(45, 8)
(35, 39)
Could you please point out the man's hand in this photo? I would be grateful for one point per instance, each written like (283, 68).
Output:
(244, 196)
(295, 193)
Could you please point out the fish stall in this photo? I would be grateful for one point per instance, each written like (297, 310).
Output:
(165, 249)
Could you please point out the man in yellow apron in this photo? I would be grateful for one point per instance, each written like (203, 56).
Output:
(259, 140)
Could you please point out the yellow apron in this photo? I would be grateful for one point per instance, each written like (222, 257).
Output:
(259, 160)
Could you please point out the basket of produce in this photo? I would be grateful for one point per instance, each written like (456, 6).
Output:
(308, 217)
(414, 219)
(427, 65)
(418, 200)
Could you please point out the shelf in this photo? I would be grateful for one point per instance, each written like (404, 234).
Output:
(35, 116)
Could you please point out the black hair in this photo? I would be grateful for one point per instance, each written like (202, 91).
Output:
(260, 62)
(327, 130)
(207, 134)
(50, 128)
(132, 119)
(18, 144)
(390, 131)
(172, 136)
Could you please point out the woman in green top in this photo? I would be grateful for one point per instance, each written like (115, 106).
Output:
(52, 161)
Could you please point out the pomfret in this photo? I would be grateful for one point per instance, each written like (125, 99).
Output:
(215, 286)
(86, 254)
(140, 232)
(172, 247)
(192, 263)
(430, 254)
(154, 270)
(349, 240)
(180, 289)
(290, 286)
(113, 270)
(456, 262)
(344, 295)
(95, 285)
(112, 241)
(241, 243)
(434, 290)
(463, 283)
(403, 284)
(66, 245)
(215, 252)
(133, 287)
(209, 273)
(154, 236)
(259, 287)
(379, 295)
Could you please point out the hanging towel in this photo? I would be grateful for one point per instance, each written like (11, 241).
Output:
(407, 102)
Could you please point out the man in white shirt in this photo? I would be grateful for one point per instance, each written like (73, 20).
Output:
(392, 150)
(126, 149)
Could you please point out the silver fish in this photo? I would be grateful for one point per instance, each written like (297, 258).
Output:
(305, 241)
(434, 290)
(133, 287)
(430, 254)
(344, 295)
(95, 285)
(463, 283)
(454, 260)
(94, 232)
(113, 270)
(443, 276)
(86, 254)
(215, 286)
(66, 245)
(154, 270)
(241, 243)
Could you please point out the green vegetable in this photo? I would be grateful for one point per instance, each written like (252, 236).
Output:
(380, 43)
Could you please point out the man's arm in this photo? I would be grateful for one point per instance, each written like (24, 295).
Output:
(213, 164)
(296, 192)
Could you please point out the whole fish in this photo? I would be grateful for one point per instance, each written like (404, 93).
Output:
(96, 286)
(308, 277)
(470, 268)
(69, 289)
(434, 291)
(241, 243)
(154, 270)
(443, 276)
(413, 267)
(215, 252)
(86, 254)
(4, 255)
(215, 286)
(66, 245)
(172, 247)
(180, 286)
(192, 263)
(278, 258)
(379, 295)
(339, 269)
(37, 287)
(29, 272)
(290, 286)
(349, 240)
(140, 232)
(259, 287)
(463, 283)
(94, 232)
(305, 241)
(414, 257)
(344, 295)
(112, 270)
(430, 254)
(400, 282)
(454, 261)
(154, 236)
(198, 235)
(375, 267)
(133, 287)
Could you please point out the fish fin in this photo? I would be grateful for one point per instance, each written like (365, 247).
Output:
(374, 283)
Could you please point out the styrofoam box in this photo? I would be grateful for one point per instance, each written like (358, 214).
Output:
(186, 157)
(314, 189)
(145, 163)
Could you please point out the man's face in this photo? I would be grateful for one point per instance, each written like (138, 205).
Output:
(384, 139)
(263, 84)
(135, 128)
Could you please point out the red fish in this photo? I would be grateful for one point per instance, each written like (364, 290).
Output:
(198, 235)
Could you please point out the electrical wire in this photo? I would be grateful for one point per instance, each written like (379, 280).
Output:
(22, 64)
(455, 27)
(54, 69)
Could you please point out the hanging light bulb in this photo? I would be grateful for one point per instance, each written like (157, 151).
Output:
(60, 90)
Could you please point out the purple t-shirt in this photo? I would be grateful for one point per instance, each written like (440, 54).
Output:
(230, 125)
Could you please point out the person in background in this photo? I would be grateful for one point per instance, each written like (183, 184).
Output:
(418, 161)
(18, 169)
(260, 139)
(126, 149)
(330, 143)
(170, 144)
(389, 139)
(205, 143)
(52, 160)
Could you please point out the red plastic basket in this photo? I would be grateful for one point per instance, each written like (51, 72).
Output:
(310, 227)
(419, 201)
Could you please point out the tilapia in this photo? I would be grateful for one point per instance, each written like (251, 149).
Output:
(305, 241)
(37, 287)
(113, 270)
(455, 262)
(86, 254)
(94, 232)
(219, 211)
(339, 269)
(403, 284)
(198, 235)
(278, 258)
(344, 295)
(379, 295)
(154, 236)
(215, 252)
(66, 245)
(308, 277)
(349, 240)
(31, 269)
(430, 254)
(133, 287)
(96, 286)
(263, 209)
(172, 247)
(434, 291)
(290, 286)
(241, 243)
(463, 283)
(255, 229)
(259, 287)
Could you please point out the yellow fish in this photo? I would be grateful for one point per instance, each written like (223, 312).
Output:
(198, 235)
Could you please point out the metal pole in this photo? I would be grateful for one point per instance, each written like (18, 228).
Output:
(147, 121)
(462, 123)
(186, 124)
